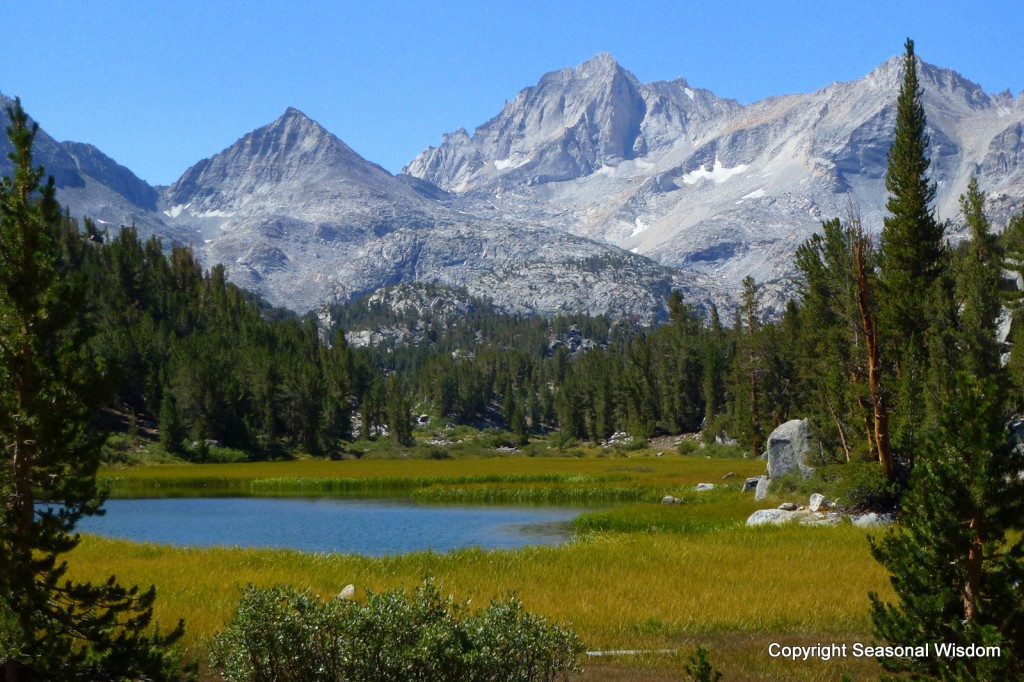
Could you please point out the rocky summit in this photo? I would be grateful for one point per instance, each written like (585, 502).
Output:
(590, 191)
(699, 183)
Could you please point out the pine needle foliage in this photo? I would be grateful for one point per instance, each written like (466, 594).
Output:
(50, 390)
(957, 556)
(910, 256)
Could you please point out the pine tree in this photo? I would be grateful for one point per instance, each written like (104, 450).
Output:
(978, 288)
(749, 370)
(714, 363)
(912, 261)
(398, 410)
(910, 256)
(834, 362)
(50, 390)
(957, 557)
(172, 431)
(1012, 247)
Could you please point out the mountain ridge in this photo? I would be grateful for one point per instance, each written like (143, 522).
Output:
(651, 186)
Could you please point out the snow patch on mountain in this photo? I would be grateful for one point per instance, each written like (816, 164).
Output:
(718, 173)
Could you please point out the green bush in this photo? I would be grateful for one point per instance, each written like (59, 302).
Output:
(855, 485)
(219, 455)
(724, 451)
(438, 452)
(862, 486)
(495, 438)
(561, 440)
(688, 447)
(281, 634)
(700, 669)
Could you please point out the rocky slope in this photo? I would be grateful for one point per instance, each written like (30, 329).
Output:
(92, 184)
(572, 124)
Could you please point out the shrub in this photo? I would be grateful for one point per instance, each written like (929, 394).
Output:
(219, 455)
(437, 452)
(864, 486)
(700, 669)
(856, 485)
(561, 440)
(725, 451)
(495, 438)
(282, 634)
(688, 447)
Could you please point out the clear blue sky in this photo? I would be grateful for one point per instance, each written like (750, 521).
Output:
(160, 85)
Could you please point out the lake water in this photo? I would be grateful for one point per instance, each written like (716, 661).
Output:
(370, 527)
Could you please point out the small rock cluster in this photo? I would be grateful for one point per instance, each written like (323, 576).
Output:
(819, 511)
(618, 438)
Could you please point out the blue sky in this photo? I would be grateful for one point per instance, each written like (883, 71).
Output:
(161, 85)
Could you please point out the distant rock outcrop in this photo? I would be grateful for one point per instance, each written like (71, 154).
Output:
(299, 216)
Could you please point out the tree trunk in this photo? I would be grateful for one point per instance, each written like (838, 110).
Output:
(881, 415)
(839, 427)
(868, 427)
(14, 671)
(975, 556)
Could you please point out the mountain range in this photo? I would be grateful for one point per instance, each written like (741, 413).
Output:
(590, 191)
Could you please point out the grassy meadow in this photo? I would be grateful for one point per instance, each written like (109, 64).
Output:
(640, 575)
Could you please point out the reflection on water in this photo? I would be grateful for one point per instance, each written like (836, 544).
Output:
(372, 527)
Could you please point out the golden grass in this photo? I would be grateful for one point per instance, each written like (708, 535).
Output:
(619, 591)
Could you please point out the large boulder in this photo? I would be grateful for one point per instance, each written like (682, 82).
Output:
(788, 448)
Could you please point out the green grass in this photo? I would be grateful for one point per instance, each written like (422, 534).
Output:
(698, 513)
(571, 493)
(509, 479)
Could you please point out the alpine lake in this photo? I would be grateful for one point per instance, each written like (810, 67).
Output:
(372, 527)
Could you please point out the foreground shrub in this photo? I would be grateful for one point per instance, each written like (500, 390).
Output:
(856, 486)
(700, 669)
(283, 634)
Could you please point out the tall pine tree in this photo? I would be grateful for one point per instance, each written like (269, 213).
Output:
(978, 288)
(910, 256)
(912, 262)
(50, 390)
